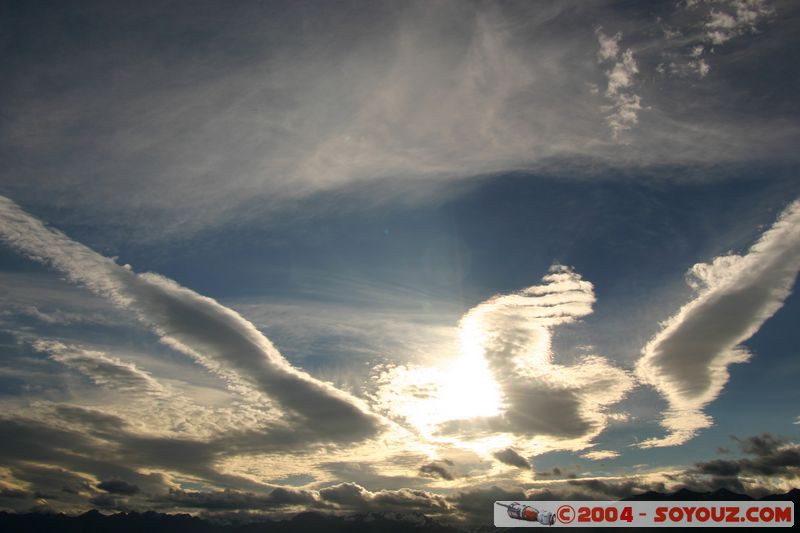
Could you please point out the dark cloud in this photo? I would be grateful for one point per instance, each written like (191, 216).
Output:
(94, 447)
(96, 422)
(597, 489)
(237, 500)
(117, 486)
(435, 470)
(538, 408)
(106, 501)
(555, 471)
(101, 447)
(712, 483)
(475, 505)
(510, 457)
(765, 455)
(718, 467)
(11, 493)
(48, 479)
(761, 445)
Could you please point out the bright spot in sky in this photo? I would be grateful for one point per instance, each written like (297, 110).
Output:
(462, 389)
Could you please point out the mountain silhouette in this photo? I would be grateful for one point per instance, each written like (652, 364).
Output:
(308, 522)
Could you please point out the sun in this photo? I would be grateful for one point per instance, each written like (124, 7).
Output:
(459, 389)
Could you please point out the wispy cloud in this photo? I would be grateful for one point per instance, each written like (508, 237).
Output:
(425, 93)
(687, 361)
(212, 334)
(110, 372)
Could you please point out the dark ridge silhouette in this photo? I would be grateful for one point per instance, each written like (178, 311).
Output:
(312, 522)
(690, 495)
(152, 522)
(719, 494)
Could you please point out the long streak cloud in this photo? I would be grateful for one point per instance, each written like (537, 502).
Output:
(200, 327)
(687, 361)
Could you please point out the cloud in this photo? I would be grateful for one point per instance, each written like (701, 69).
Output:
(599, 455)
(423, 94)
(12, 493)
(507, 388)
(436, 470)
(556, 471)
(609, 46)
(510, 457)
(739, 18)
(356, 497)
(238, 500)
(625, 105)
(44, 297)
(770, 464)
(541, 398)
(117, 486)
(724, 21)
(197, 326)
(107, 501)
(109, 372)
(601, 489)
(687, 360)
(91, 443)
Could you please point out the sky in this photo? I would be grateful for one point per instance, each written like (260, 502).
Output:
(264, 257)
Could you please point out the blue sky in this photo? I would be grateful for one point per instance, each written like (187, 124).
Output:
(419, 253)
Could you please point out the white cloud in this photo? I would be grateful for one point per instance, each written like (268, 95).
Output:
(625, 105)
(106, 371)
(609, 46)
(354, 496)
(532, 401)
(599, 455)
(701, 67)
(722, 26)
(687, 360)
(213, 335)
(621, 75)
(720, 22)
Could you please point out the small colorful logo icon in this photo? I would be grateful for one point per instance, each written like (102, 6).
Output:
(518, 511)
